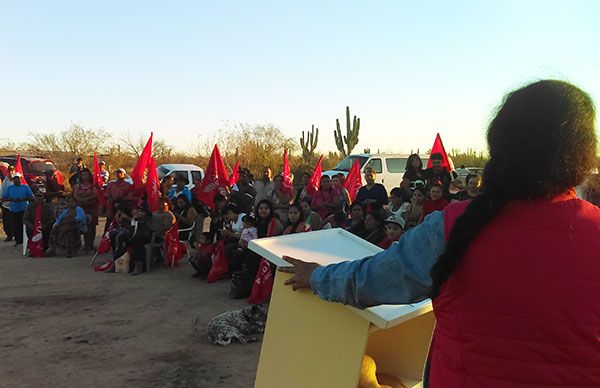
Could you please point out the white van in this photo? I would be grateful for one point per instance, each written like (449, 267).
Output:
(190, 171)
(389, 167)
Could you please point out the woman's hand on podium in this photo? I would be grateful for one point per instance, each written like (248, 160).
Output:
(302, 271)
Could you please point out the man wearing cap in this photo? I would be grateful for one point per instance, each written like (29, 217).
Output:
(394, 227)
(5, 205)
(48, 217)
(104, 173)
(116, 190)
(243, 193)
(17, 196)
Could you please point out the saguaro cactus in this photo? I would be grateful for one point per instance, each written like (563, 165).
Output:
(351, 138)
(309, 145)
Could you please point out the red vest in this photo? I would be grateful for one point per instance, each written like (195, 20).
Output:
(523, 307)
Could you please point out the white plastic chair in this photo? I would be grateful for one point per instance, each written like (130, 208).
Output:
(187, 241)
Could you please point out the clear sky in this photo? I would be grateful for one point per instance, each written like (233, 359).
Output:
(407, 69)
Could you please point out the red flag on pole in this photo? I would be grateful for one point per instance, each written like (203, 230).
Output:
(98, 184)
(438, 148)
(174, 249)
(219, 266)
(36, 244)
(312, 186)
(137, 174)
(104, 245)
(235, 174)
(353, 180)
(152, 186)
(19, 170)
(286, 187)
(263, 281)
(215, 177)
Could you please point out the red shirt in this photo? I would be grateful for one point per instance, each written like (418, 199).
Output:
(431, 205)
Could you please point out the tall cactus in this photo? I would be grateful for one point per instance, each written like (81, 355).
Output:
(309, 145)
(351, 138)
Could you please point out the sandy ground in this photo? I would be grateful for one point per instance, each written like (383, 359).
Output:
(63, 325)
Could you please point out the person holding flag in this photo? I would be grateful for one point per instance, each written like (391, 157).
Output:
(17, 196)
(38, 220)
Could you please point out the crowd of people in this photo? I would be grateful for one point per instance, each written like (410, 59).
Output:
(252, 208)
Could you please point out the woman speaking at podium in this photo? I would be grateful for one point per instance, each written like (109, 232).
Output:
(514, 274)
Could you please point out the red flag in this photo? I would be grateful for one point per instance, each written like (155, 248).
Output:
(219, 265)
(19, 170)
(263, 281)
(104, 245)
(286, 187)
(313, 184)
(215, 177)
(353, 180)
(175, 250)
(137, 174)
(98, 184)
(152, 186)
(438, 148)
(36, 243)
(235, 174)
(103, 267)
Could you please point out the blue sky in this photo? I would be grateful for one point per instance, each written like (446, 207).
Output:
(182, 69)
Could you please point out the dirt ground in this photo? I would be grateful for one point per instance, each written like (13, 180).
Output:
(63, 325)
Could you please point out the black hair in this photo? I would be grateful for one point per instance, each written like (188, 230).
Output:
(249, 218)
(421, 190)
(85, 169)
(262, 224)
(231, 207)
(548, 122)
(469, 177)
(436, 156)
(396, 192)
(219, 198)
(377, 216)
(209, 236)
(409, 166)
(184, 198)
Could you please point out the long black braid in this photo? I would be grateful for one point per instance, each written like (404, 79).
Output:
(542, 142)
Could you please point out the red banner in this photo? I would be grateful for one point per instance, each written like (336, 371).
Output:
(286, 187)
(36, 243)
(219, 266)
(438, 148)
(235, 174)
(313, 184)
(137, 174)
(353, 180)
(215, 177)
(263, 282)
(19, 170)
(175, 250)
(152, 186)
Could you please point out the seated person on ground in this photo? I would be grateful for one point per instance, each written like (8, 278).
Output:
(67, 230)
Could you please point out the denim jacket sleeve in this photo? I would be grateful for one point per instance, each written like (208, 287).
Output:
(398, 275)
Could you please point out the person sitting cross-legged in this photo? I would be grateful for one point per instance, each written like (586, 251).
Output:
(67, 230)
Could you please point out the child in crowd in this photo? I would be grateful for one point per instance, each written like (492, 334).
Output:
(436, 200)
(249, 232)
(201, 260)
(397, 205)
(394, 227)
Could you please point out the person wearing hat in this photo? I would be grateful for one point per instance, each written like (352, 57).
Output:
(180, 189)
(10, 172)
(17, 196)
(117, 190)
(104, 173)
(243, 193)
(48, 217)
(394, 227)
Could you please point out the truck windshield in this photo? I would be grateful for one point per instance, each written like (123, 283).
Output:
(162, 171)
(41, 166)
(346, 164)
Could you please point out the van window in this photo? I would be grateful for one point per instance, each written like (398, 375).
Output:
(395, 165)
(347, 162)
(375, 164)
(196, 175)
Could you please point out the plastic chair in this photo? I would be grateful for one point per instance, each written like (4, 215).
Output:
(156, 241)
(188, 246)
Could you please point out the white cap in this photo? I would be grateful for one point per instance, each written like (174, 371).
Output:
(395, 220)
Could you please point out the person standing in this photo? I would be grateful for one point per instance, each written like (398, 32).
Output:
(18, 196)
(117, 190)
(263, 185)
(75, 170)
(513, 274)
(86, 197)
(104, 173)
(6, 205)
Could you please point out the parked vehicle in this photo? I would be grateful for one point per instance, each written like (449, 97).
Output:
(41, 174)
(389, 167)
(190, 171)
